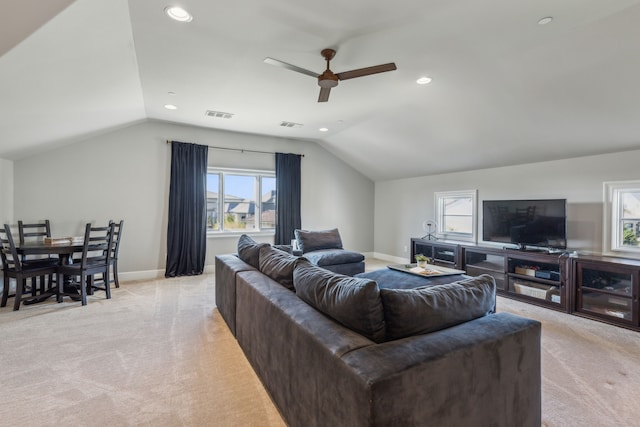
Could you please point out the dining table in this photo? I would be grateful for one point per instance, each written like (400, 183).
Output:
(63, 249)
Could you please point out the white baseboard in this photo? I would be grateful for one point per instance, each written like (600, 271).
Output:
(390, 258)
(153, 274)
(130, 276)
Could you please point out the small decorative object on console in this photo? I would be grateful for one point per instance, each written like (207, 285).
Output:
(422, 260)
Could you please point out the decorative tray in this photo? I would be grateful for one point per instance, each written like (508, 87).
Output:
(430, 271)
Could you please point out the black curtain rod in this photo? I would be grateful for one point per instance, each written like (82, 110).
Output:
(242, 150)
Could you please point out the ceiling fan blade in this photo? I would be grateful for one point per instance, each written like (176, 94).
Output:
(361, 72)
(324, 94)
(277, 63)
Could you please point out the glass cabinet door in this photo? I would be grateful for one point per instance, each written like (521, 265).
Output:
(605, 293)
(446, 254)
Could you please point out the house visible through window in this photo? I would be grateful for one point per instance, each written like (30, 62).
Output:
(456, 214)
(241, 201)
(622, 216)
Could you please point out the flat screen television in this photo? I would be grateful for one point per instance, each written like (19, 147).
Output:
(538, 223)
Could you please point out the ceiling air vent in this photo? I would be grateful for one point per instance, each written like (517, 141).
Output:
(218, 114)
(290, 125)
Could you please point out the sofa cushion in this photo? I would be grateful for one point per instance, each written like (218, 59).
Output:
(333, 257)
(278, 265)
(355, 303)
(249, 250)
(419, 311)
(315, 240)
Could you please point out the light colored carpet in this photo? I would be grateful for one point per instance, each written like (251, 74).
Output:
(590, 370)
(159, 354)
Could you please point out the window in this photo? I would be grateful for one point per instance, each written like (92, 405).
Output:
(456, 214)
(622, 216)
(248, 201)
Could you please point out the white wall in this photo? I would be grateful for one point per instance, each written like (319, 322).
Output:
(402, 205)
(125, 175)
(6, 191)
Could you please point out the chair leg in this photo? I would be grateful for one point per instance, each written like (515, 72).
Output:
(20, 285)
(83, 288)
(5, 291)
(34, 286)
(59, 281)
(107, 285)
(43, 283)
(115, 273)
(90, 284)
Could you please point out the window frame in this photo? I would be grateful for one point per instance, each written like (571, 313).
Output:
(439, 205)
(613, 229)
(258, 174)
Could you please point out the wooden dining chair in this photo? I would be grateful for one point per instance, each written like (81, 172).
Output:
(115, 248)
(94, 259)
(13, 268)
(34, 231)
(31, 232)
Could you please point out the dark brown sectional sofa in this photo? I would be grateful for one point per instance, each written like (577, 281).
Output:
(319, 372)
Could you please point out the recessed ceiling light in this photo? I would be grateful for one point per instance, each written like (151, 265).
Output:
(170, 107)
(178, 13)
(424, 80)
(545, 20)
(324, 129)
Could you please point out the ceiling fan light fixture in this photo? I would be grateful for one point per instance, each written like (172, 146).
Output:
(177, 13)
(545, 20)
(327, 80)
(424, 80)
(327, 83)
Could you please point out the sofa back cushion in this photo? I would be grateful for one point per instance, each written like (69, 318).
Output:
(278, 265)
(315, 240)
(249, 250)
(355, 303)
(419, 311)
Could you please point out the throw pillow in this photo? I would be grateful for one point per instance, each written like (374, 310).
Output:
(355, 303)
(249, 250)
(418, 311)
(278, 265)
(315, 240)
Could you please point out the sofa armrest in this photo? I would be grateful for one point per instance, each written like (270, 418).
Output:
(226, 268)
(482, 372)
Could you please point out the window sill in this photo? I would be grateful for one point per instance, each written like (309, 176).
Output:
(236, 234)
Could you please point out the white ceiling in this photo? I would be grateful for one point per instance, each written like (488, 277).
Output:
(505, 90)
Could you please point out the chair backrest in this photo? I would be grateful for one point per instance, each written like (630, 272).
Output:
(8, 252)
(117, 233)
(34, 231)
(97, 242)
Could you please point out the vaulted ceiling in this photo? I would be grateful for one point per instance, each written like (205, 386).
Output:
(504, 90)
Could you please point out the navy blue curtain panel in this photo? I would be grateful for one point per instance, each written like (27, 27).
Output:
(287, 197)
(187, 230)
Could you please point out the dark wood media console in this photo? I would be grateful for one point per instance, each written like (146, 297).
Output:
(600, 288)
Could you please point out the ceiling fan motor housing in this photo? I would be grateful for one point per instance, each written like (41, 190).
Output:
(327, 79)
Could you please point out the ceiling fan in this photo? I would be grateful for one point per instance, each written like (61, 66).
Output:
(328, 79)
